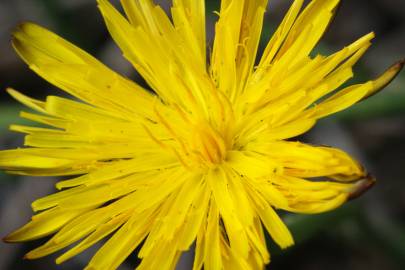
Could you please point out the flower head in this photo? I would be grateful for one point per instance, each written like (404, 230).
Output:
(204, 156)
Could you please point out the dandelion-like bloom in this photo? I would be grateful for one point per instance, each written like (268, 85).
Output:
(204, 158)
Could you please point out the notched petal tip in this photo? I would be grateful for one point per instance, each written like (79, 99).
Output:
(361, 187)
(21, 28)
(18, 28)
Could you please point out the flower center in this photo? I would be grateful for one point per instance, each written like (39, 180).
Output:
(207, 145)
(197, 144)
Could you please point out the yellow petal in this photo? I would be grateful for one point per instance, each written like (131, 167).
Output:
(70, 233)
(286, 131)
(279, 36)
(101, 232)
(305, 207)
(269, 192)
(155, 41)
(27, 101)
(195, 219)
(120, 169)
(252, 164)
(23, 160)
(383, 80)
(218, 180)
(43, 224)
(212, 249)
(176, 216)
(249, 37)
(189, 20)
(275, 226)
(302, 160)
(74, 71)
(122, 243)
(340, 101)
(318, 14)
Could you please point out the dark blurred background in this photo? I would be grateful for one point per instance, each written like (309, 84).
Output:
(368, 233)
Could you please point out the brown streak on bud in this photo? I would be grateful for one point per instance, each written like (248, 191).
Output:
(396, 68)
(361, 187)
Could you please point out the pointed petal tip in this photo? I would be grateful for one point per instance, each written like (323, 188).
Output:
(396, 67)
(361, 187)
(32, 255)
(60, 260)
(12, 92)
(11, 238)
(385, 79)
(399, 65)
(7, 239)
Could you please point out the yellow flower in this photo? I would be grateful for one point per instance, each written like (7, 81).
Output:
(203, 158)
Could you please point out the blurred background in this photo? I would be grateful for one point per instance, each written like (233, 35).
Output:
(368, 233)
